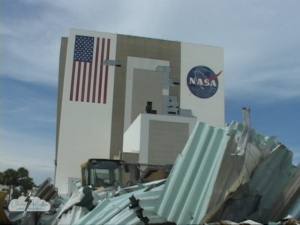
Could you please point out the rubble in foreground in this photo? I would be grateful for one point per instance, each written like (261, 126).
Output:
(229, 174)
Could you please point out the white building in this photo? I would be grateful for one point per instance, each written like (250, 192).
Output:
(111, 86)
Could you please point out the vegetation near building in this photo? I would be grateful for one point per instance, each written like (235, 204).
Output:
(18, 181)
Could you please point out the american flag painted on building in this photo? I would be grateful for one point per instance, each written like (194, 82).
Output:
(89, 76)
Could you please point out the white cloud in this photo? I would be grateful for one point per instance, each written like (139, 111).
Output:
(250, 35)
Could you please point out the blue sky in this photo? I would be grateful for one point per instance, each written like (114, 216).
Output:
(261, 41)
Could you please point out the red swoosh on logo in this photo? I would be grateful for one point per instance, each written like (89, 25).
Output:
(215, 76)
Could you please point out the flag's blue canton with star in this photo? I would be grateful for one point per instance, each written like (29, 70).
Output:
(84, 48)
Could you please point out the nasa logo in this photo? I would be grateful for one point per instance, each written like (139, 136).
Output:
(203, 82)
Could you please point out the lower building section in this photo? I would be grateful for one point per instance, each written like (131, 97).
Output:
(157, 139)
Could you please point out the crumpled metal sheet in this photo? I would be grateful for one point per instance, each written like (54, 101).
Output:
(287, 201)
(79, 204)
(255, 199)
(121, 210)
(295, 210)
(230, 174)
(187, 192)
(73, 215)
(46, 191)
(244, 137)
(208, 183)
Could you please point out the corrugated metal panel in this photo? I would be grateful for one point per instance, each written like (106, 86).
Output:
(147, 201)
(116, 210)
(188, 189)
(214, 180)
(249, 186)
(255, 199)
(236, 170)
(295, 210)
(105, 210)
(73, 215)
(270, 179)
(81, 197)
(126, 216)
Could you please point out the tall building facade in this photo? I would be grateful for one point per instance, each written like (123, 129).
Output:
(106, 81)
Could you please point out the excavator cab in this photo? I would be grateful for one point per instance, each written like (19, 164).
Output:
(101, 173)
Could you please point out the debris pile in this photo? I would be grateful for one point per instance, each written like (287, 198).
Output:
(225, 175)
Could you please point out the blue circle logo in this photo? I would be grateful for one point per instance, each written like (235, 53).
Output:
(202, 81)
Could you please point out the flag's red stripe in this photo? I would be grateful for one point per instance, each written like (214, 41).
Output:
(101, 68)
(78, 81)
(89, 83)
(83, 81)
(72, 81)
(95, 71)
(100, 77)
(106, 72)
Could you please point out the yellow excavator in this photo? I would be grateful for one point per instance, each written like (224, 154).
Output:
(104, 173)
(101, 173)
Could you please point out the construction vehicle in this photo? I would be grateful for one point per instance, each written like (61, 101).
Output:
(103, 173)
